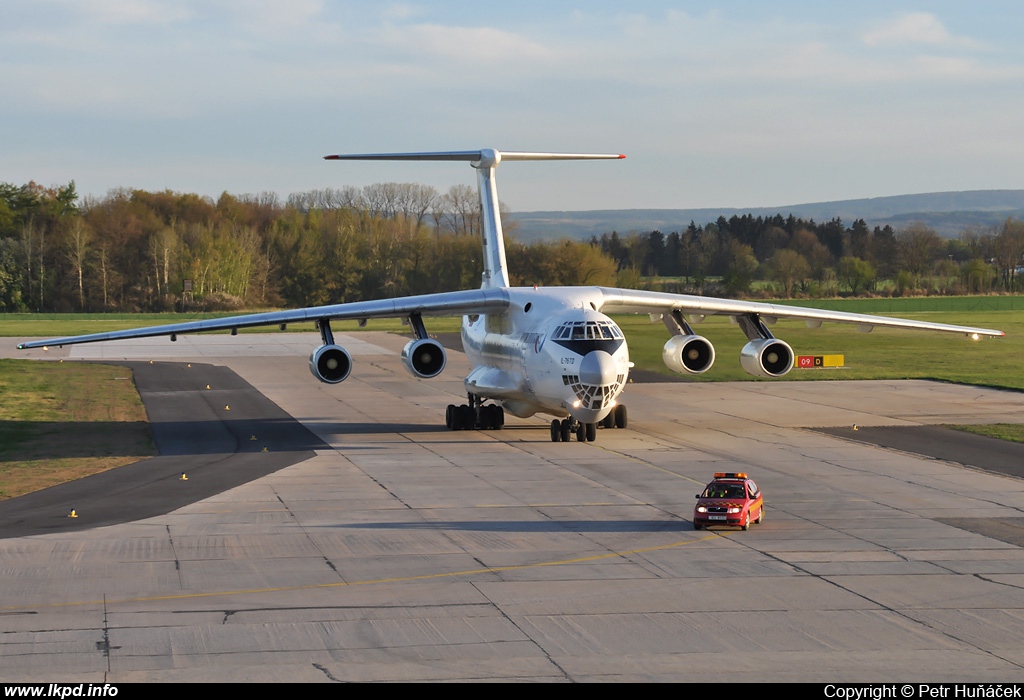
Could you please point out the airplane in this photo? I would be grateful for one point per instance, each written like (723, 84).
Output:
(547, 350)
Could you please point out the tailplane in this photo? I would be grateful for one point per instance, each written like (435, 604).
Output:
(485, 161)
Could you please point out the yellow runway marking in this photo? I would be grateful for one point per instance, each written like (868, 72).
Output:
(345, 584)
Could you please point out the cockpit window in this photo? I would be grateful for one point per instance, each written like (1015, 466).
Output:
(588, 330)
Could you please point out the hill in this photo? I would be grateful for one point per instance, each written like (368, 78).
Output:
(946, 212)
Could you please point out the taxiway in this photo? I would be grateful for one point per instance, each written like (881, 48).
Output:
(395, 550)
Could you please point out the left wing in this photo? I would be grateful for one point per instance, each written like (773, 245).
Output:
(638, 301)
(475, 301)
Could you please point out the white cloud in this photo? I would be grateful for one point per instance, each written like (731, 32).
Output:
(130, 11)
(915, 28)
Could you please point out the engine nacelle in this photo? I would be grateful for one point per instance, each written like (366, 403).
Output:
(688, 354)
(330, 364)
(766, 357)
(424, 358)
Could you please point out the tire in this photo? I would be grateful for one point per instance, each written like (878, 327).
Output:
(621, 420)
(609, 420)
(449, 417)
(556, 430)
(464, 418)
(581, 433)
(760, 515)
(698, 527)
(564, 427)
(746, 522)
(591, 432)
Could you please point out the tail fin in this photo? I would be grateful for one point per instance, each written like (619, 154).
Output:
(485, 161)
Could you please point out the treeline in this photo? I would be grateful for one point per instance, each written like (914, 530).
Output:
(134, 250)
(805, 258)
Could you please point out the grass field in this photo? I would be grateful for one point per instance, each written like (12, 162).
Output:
(61, 421)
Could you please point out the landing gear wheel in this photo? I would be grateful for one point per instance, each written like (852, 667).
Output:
(609, 420)
(581, 433)
(591, 432)
(464, 418)
(556, 430)
(620, 416)
(449, 417)
(566, 431)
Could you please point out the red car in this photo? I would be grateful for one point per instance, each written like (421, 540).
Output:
(731, 499)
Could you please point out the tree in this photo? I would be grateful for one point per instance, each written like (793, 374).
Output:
(856, 273)
(740, 269)
(788, 267)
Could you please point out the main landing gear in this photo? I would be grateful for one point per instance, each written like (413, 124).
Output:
(562, 430)
(474, 416)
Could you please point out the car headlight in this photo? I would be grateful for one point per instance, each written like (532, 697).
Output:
(702, 509)
(734, 509)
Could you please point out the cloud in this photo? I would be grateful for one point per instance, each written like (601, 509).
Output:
(130, 11)
(915, 28)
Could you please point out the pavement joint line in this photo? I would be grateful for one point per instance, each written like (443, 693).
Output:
(344, 584)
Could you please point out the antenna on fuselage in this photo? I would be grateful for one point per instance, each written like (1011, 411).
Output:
(485, 161)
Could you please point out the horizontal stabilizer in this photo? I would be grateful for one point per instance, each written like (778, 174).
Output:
(488, 155)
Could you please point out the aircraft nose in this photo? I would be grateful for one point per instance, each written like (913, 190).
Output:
(598, 369)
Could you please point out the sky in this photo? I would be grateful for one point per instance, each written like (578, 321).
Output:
(715, 104)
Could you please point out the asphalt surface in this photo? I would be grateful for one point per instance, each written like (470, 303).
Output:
(938, 442)
(215, 436)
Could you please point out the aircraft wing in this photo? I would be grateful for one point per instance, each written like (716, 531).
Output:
(639, 301)
(475, 301)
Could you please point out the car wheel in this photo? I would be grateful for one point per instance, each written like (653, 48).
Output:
(760, 516)
(746, 522)
(697, 527)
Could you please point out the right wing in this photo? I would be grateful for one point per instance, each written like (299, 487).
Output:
(474, 301)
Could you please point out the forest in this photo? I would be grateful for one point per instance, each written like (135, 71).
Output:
(134, 250)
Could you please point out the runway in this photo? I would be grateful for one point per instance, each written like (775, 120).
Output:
(399, 551)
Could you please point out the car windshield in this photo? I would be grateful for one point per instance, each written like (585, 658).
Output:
(724, 491)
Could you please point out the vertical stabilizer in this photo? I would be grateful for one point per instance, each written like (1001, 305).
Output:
(485, 161)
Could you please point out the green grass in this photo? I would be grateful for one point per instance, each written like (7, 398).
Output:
(61, 421)
(60, 325)
(881, 354)
(1012, 432)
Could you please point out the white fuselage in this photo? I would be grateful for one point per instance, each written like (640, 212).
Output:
(550, 352)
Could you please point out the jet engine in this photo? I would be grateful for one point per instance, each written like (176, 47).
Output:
(766, 357)
(688, 354)
(330, 364)
(424, 358)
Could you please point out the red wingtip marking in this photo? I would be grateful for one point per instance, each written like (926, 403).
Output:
(621, 156)
(330, 157)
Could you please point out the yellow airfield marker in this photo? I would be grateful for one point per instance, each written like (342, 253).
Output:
(73, 513)
(184, 476)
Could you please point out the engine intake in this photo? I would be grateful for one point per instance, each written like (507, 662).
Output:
(331, 364)
(424, 358)
(688, 354)
(766, 357)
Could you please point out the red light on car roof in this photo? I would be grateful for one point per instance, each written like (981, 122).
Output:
(730, 475)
